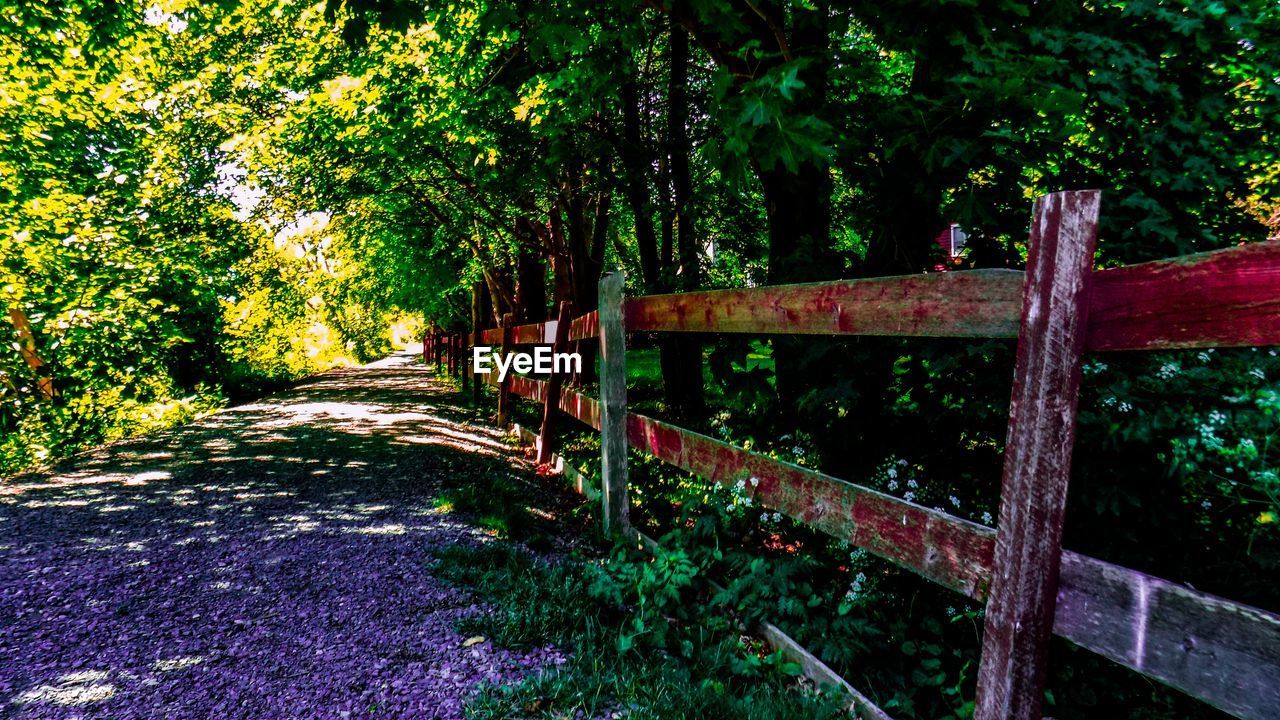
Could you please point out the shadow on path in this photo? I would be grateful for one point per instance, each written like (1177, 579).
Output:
(268, 561)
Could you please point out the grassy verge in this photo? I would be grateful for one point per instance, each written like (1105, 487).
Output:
(642, 644)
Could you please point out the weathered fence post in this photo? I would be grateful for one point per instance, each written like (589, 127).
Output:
(455, 350)
(504, 386)
(1037, 459)
(461, 370)
(477, 312)
(554, 383)
(613, 406)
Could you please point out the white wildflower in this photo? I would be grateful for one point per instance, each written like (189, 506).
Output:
(855, 587)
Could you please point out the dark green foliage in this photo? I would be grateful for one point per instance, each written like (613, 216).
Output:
(639, 640)
(207, 202)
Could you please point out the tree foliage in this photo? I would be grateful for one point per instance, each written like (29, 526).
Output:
(198, 200)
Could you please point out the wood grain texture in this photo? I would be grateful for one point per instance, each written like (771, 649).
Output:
(1235, 652)
(581, 407)
(947, 550)
(527, 387)
(552, 403)
(543, 333)
(1037, 459)
(1222, 652)
(613, 406)
(1217, 299)
(585, 327)
(976, 303)
(1223, 298)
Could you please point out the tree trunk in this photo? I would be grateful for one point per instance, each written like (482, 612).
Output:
(531, 278)
(635, 168)
(583, 247)
(798, 206)
(681, 354)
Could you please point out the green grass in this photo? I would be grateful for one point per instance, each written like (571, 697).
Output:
(707, 673)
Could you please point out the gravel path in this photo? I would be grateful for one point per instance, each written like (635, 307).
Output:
(269, 561)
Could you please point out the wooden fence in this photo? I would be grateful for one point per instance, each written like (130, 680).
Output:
(1221, 652)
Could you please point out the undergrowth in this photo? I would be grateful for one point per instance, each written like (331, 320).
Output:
(640, 640)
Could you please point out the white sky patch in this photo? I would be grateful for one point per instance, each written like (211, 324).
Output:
(156, 16)
(233, 183)
(312, 222)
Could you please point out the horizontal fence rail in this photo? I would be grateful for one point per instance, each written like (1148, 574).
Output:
(1207, 646)
(1221, 652)
(979, 303)
(544, 333)
(1225, 298)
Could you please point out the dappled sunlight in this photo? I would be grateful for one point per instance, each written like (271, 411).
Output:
(445, 442)
(286, 536)
(389, 529)
(76, 689)
(177, 663)
(466, 441)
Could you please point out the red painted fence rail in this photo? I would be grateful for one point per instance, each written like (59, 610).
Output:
(1221, 652)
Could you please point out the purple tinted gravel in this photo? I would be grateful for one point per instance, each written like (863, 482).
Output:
(270, 561)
